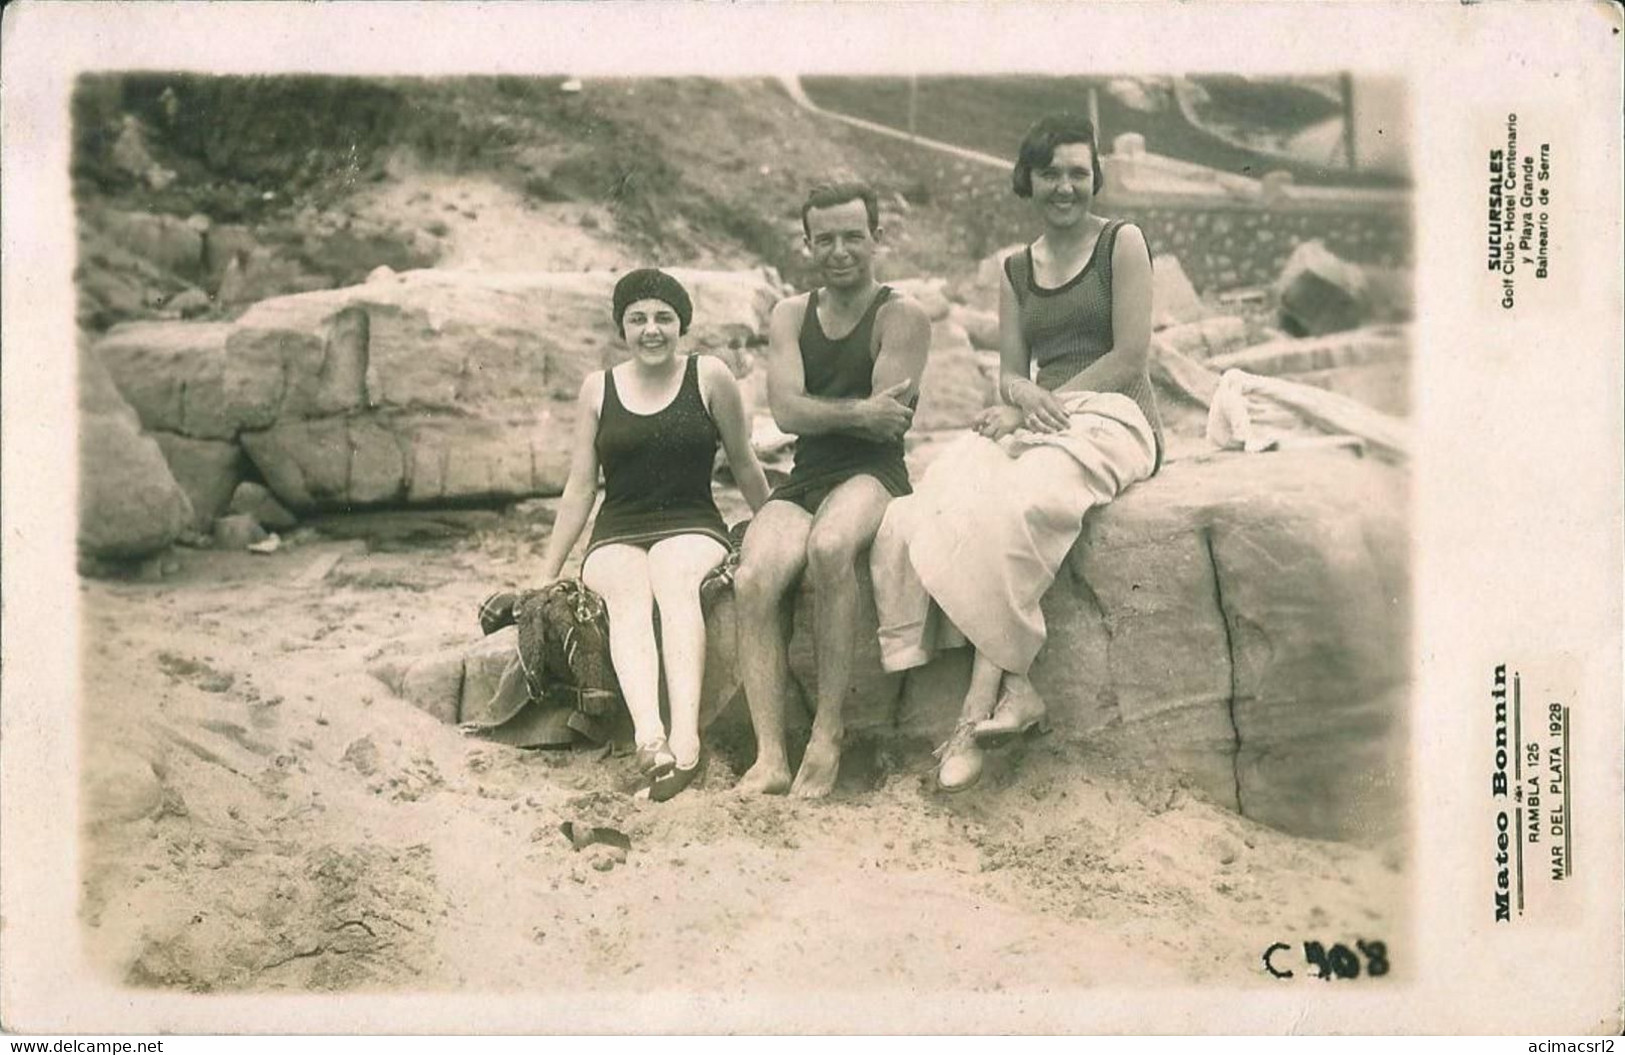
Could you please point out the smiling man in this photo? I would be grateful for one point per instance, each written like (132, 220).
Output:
(843, 372)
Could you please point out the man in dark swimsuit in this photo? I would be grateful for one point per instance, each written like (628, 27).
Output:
(848, 399)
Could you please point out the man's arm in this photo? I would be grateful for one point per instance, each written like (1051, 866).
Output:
(880, 416)
(905, 343)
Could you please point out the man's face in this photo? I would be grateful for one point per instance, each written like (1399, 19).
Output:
(843, 248)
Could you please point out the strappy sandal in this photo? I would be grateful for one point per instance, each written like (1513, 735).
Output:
(669, 785)
(655, 758)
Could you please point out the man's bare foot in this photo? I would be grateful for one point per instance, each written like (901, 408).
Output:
(764, 779)
(816, 777)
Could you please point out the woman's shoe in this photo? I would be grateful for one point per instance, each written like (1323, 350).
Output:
(959, 763)
(655, 758)
(1019, 710)
(672, 783)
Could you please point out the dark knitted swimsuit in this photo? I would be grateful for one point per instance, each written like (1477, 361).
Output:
(840, 369)
(657, 468)
(1069, 327)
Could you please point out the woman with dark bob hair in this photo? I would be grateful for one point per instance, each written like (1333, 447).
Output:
(969, 556)
(653, 424)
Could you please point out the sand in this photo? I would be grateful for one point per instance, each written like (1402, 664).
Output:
(263, 815)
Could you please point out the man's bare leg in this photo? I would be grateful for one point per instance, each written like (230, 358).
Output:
(843, 529)
(770, 566)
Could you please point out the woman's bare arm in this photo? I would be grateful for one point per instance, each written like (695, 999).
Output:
(581, 489)
(728, 411)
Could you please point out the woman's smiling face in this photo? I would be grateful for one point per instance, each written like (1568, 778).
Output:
(1064, 189)
(651, 327)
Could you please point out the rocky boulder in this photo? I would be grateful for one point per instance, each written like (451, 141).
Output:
(1242, 621)
(954, 388)
(1173, 298)
(255, 500)
(1203, 338)
(425, 387)
(982, 327)
(167, 242)
(929, 293)
(1321, 293)
(1371, 364)
(129, 502)
(207, 470)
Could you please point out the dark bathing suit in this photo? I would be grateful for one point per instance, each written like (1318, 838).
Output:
(657, 468)
(840, 369)
(1069, 327)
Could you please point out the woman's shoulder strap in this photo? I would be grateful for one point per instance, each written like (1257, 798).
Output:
(610, 397)
(1108, 248)
(1018, 267)
(1116, 228)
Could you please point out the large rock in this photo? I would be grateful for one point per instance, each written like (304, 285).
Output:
(222, 244)
(1173, 298)
(166, 241)
(179, 378)
(1204, 338)
(1281, 358)
(982, 327)
(207, 470)
(430, 387)
(954, 388)
(990, 269)
(260, 273)
(1371, 364)
(129, 502)
(929, 293)
(1321, 293)
(1241, 621)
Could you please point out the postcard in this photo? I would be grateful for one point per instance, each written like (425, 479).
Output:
(812, 518)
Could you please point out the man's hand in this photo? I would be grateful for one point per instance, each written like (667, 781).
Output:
(998, 422)
(883, 416)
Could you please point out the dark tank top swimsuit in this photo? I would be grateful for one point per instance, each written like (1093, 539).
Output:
(657, 468)
(1069, 327)
(840, 369)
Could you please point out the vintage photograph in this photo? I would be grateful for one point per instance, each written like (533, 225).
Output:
(1000, 576)
(811, 518)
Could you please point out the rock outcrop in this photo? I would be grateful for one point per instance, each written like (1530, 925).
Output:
(1241, 621)
(1321, 293)
(1173, 298)
(954, 388)
(129, 502)
(421, 388)
(207, 470)
(1371, 364)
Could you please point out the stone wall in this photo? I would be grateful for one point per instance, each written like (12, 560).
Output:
(1226, 244)
(1231, 230)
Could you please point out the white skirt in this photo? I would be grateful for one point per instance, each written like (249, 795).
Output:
(970, 554)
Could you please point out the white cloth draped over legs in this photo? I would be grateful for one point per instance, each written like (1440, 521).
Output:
(971, 553)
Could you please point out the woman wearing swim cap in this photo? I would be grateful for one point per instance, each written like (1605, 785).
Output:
(653, 424)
